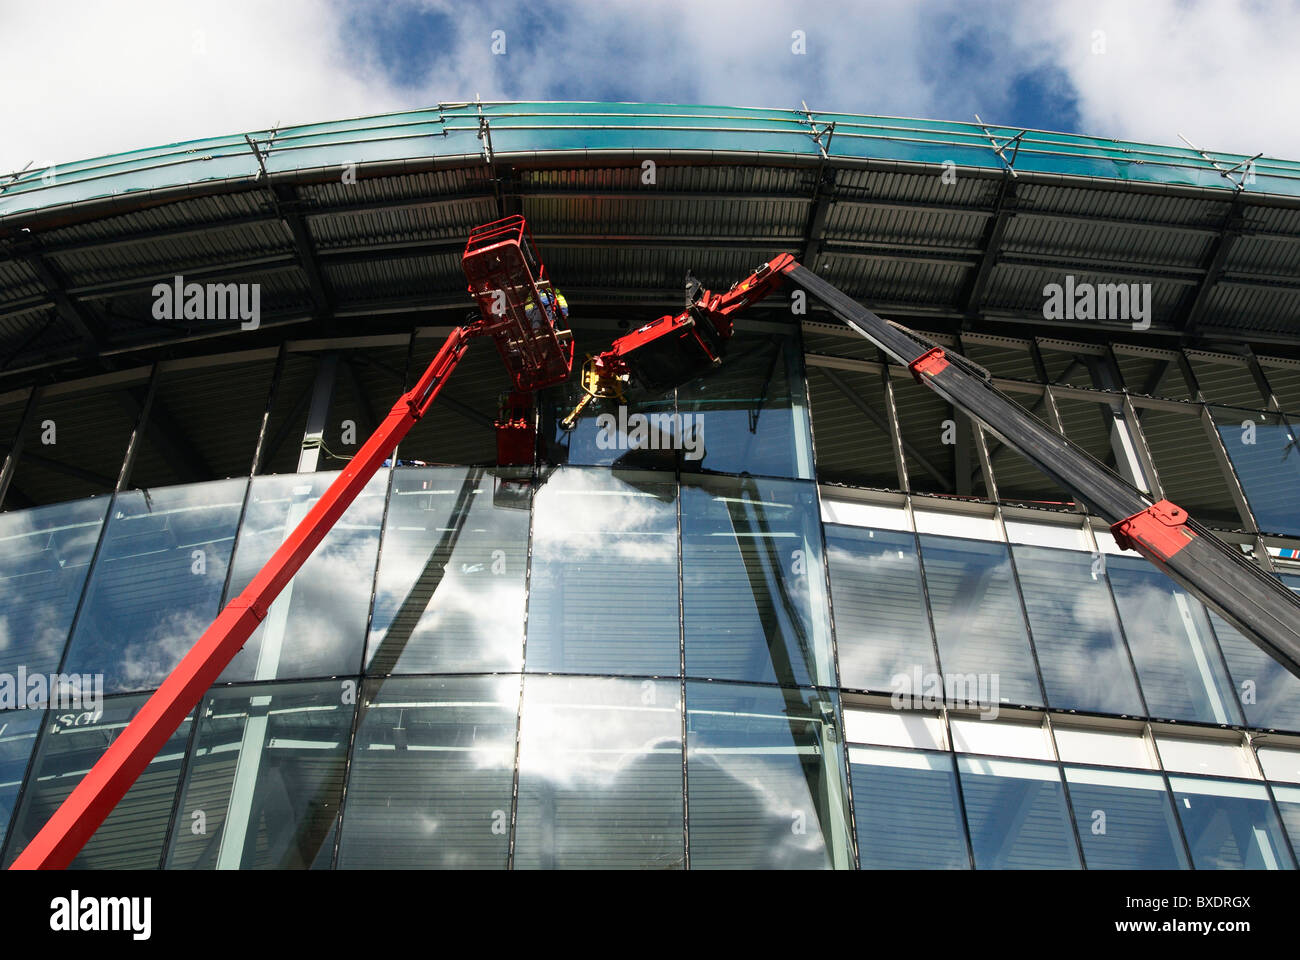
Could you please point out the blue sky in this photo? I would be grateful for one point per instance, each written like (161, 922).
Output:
(101, 78)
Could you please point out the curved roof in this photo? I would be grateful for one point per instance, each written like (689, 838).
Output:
(358, 224)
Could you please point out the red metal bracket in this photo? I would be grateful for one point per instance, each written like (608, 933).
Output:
(930, 362)
(1157, 532)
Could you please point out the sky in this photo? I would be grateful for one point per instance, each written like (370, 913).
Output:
(89, 78)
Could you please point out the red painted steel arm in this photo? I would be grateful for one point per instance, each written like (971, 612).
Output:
(67, 831)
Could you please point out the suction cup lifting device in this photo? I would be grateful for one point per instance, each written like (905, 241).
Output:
(517, 308)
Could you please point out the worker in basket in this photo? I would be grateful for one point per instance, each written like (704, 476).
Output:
(553, 307)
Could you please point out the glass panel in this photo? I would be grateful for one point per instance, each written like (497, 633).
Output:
(645, 433)
(1265, 452)
(431, 775)
(1279, 763)
(752, 411)
(450, 592)
(1080, 650)
(1230, 825)
(894, 728)
(977, 617)
(157, 583)
(765, 776)
(603, 585)
(1177, 658)
(1223, 758)
(44, 556)
(1114, 748)
(881, 629)
(1125, 820)
(1028, 740)
(908, 811)
(132, 836)
(1017, 815)
(1288, 805)
(18, 729)
(263, 787)
(600, 774)
(1269, 693)
(317, 626)
(754, 586)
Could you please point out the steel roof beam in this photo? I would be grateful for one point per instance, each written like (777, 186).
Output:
(1003, 210)
(1188, 323)
(286, 200)
(166, 435)
(71, 312)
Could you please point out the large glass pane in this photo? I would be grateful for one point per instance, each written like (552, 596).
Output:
(600, 774)
(157, 583)
(1288, 805)
(645, 433)
(44, 556)
(752, 412)
(603, 586)
(132, 836)
(1017, 815)
(317, 626)
(754, 599)
(1265, 452)
(1230, 825)
(1177, 658)
(881, 629)
(264, 783)
(431, 775)
(1268, 692)
(1080, 649)
(450, 590)
(908, 811)
(1125, 820)
(765, 776)
(18, 729)
(977, 617)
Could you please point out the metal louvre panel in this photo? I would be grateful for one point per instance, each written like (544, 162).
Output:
(1148, 208)
(1238, 310)
(679, 217)
(1264, 255)
(446, 220)
(1139, 246)
(885, 224)
(895, 281)
(234, 205)
(670, 177)
(174, 255)
(427, 186)
(968, 191)
(1019, 288)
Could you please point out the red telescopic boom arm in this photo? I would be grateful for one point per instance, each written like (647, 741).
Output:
(94, 798)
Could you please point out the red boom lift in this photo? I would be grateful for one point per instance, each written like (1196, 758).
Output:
(512, 289)
(518, 312)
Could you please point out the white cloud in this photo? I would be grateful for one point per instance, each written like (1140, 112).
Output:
(101, 78)
(1223, 73)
